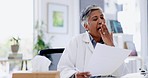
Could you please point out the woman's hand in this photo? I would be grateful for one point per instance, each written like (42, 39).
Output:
(83, 75)
(106, 36)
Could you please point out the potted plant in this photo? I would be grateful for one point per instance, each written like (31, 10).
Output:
(40, 43)
(14, 44)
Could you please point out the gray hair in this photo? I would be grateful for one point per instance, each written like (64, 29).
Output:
(86, 12)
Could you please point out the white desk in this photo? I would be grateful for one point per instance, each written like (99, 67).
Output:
(6, 61)
(136, 58)
(134, 75)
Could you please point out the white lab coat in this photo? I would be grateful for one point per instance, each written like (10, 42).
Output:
(75, 56)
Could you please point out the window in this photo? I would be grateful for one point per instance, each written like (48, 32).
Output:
(16, 21)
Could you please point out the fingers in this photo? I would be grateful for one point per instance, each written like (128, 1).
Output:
(103, 30)
(111, 34)
(83, 74)
(106, 36)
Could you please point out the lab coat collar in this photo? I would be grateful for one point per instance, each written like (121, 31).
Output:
(87, 41)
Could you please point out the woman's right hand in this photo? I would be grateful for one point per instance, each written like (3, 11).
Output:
(83, 75)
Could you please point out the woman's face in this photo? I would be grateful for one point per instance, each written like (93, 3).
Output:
(95, 21)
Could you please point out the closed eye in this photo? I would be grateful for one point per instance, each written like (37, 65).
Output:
(95, 18)
(101, 16)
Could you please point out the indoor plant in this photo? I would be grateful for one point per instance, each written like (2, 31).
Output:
(40, 43)
(14, 44)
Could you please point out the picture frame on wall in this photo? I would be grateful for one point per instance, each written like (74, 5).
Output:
(57, 17)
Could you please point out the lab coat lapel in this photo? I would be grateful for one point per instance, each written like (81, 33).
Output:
(87, 41)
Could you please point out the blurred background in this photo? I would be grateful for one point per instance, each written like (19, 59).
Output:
(41, 24)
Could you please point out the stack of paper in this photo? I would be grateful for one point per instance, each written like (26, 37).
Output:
(15, 56)
(106, 59)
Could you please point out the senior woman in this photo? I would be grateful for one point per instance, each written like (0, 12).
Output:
(80, 49)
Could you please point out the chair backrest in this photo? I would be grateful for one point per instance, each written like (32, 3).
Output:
(53, 55)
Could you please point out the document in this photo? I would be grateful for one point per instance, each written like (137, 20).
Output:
(106, 59)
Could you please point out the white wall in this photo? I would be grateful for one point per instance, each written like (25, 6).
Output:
(60, 40)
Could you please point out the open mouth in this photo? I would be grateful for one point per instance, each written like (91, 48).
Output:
(99, 28)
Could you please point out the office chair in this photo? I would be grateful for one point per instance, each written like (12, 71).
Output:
(53, 55)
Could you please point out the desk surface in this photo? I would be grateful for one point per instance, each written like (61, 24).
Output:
(134, 58)
(50, 74)
(6, 59)
(134, 75)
